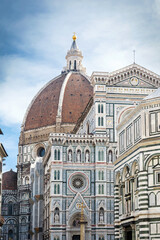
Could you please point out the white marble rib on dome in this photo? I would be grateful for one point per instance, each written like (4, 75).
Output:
(155, 94)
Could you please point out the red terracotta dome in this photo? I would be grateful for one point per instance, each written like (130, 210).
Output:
(65, 96)
(9, 180)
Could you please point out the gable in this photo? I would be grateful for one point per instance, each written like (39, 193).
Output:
(134, 76)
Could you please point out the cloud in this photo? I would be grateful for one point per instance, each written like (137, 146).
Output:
(156, 7)
(23, 79)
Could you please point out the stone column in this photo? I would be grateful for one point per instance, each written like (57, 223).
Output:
(132, 193)
(123, 234)
(143, 205)
(116, 210)
(82, 222)
(133, 231)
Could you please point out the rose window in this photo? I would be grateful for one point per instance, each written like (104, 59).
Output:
(78, 182)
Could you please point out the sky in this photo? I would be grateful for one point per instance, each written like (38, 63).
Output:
(36, 35)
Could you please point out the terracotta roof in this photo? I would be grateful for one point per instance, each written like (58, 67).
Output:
(77, 94)
(43, 110)
(9, 180)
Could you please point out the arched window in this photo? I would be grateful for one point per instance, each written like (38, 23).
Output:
(99, 108)
(69, 64)
(99, 121)
(99, 175)
(75, 67)
(99, 155)
(10, 208)
(59, 155)
(152, 199)
(55, 189)
(99, 189)
(58, 189)
(55, 154)
(55, 175)
(58, 175)
(101, 215)
(102, 155)
(158, 199)
(102, 189)
(102, 175)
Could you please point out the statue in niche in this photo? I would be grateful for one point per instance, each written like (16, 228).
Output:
(56, 215)
(78, 156)
(101, 215)
(87, 156)
(70, 155)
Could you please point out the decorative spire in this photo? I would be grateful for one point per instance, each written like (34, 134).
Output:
(74, 57)
(74, 37)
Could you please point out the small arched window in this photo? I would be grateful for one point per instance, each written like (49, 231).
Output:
(158, 199)
(101, 121)
(10, 208)
(58, 189)
(99, 175)
(55, 154)
(69, 64)
(99, 155)
(101, 108)
(55, 175)
(102, 155)
(110, 156)
(152, 199)
(102, 189)
(102, 175)
(75, 67)
(55, 189)
(59, 157)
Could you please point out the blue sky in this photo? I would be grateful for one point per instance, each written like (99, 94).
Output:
(35, 36)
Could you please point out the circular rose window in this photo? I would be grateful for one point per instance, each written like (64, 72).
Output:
(78, 182)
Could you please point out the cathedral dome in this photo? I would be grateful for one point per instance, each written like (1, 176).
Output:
(9, 180)
(60, 103)
(64, 97)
